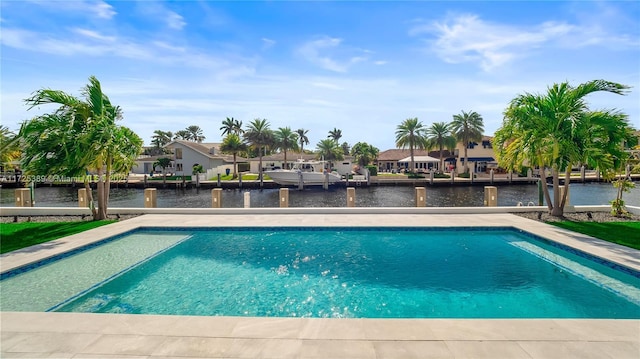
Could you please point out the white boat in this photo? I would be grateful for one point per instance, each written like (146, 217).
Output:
(311, 173)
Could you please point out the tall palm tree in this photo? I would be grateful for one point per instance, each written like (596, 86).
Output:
(364, 153)
(160, 139)
(329, 150)
(182, 135)
(439, 135)
(557, 130)
(234, 145)
(285, 140)
(258, 135)
(302, 138)
(196, 133)
(81, 136)
(231, 125)
(335, 134)
(411, 133)
(467, 127)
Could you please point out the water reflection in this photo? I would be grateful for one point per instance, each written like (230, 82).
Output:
(393, 196)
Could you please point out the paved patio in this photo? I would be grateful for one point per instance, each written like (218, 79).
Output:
(77, 335)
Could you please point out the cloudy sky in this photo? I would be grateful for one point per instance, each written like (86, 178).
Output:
(362, 66)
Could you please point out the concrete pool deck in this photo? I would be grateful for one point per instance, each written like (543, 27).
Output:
(78, 335)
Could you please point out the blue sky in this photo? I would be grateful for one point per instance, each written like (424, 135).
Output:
(362, 67)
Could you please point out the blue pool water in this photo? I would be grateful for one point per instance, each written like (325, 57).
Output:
(341, 272)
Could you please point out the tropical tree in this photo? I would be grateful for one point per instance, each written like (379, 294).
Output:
(411, 134)
(231, 125)
(196, 133)
(159, 140)
(439, 136)
(285, 140)
(335, 134)
(302, 138)
(163, 163)
(182, 135)
(80, 137)
(329, 150)
(233, 144)
(9, 146)
(346, 149)
(364, 153)
(467, 127)
(557, 130)
(258, 135)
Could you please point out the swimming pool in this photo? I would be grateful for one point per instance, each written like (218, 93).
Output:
(329, 272)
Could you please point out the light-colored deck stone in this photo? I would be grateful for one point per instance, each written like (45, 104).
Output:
(79, 335)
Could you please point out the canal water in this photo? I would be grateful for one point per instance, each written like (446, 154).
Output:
(375, 196)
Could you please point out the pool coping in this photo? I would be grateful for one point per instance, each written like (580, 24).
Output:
(102, 335)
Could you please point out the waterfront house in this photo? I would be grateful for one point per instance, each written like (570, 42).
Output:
(396, 160)
(480, 154)
(186, 154)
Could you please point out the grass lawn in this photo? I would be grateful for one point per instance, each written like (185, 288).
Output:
(624, 233)
(19, 235)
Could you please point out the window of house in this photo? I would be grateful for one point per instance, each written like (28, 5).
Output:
(472, 145)
(178, 167)
(486, 144)
(178, 153)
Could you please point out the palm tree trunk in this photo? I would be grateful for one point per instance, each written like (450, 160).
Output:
(441, 161)
(567, 180)
(413, 165)
(285, 159)
(235, 173)
(102, 211)
(466, 160)
(556, 211)
(90, 202)
(545, 189)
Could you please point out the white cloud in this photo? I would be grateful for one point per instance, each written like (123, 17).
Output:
(267, 43)
(94, 35)
(175, 21)
(99, 9)
(330, 54)
(311, 51)
(467, 38)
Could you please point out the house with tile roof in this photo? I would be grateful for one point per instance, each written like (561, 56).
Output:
(396, 160)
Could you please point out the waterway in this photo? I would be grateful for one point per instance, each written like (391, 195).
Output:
(383, 196)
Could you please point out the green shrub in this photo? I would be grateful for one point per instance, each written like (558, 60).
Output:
(373, 170)
(441, 175)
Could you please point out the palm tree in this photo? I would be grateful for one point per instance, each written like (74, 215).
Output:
(467, 127)
(9, 146)
(364, 153)
(285, 140)
(233, 144)
(196, 133)
(160, 139)
(79, 137)
(329, 150)
(231, 125)
(557, 130)
(439, 135)
(411, 133)
(259, 136)
(163, 162)
(335, 134)
(182, 135)
(302, 138)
